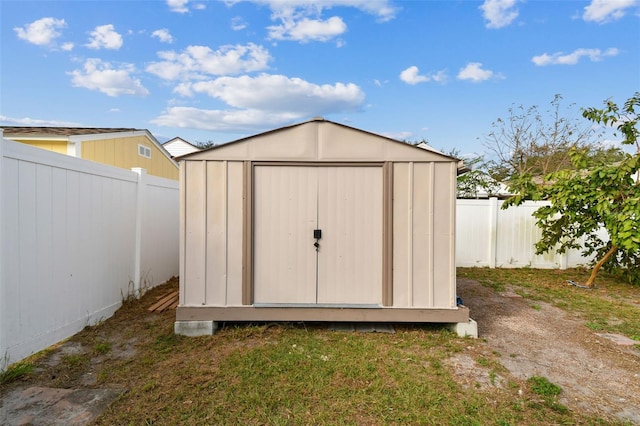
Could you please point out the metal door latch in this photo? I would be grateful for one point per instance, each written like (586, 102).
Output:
(317, 234)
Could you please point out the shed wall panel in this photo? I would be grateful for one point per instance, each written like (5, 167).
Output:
(338, 143)
(444, 234)
(216, 233)
(404, 152)
(195, 256)
(299, 144)
(422, 230)
(234, 236)
(423, 272)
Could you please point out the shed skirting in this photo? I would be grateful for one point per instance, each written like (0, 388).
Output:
(250, 313)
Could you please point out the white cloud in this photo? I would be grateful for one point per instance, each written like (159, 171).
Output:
(411, 76)
(104, 36)
(41, 32)
(473, 71)
(199, 61)
(261, 102)
(178, 6)
(603, 11)
(26, 121)
(439, 77)
(278, 93)
(238, 24)
(306, 29)
(163, 35)
(301, 20)
(382, 9)
(231, 121)
(572, 58)
(102, 76)
(499, 13)
(67, 46)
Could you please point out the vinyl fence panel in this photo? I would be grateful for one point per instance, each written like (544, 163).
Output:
(488, 236)
(68, 245)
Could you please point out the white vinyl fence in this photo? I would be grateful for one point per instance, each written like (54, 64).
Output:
(76, 238)
(487, 235)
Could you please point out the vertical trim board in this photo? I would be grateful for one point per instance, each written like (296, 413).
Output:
(247, 237)
(235, 214)
(400, 235)
(431, 265)
(387, 234)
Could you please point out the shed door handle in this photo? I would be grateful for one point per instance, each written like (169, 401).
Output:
(317, 234)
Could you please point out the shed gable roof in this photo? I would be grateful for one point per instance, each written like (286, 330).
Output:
(318, 140)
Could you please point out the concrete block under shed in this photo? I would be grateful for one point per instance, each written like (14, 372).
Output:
(466, 329)
(195, 328)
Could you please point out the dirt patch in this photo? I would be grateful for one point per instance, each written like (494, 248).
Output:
(51, 406)
(597, 375)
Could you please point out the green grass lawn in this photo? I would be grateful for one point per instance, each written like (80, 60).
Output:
(293, 374)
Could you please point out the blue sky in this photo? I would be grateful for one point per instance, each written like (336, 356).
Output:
(221, 70)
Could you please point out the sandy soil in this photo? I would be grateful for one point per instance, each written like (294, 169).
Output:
(597, 375)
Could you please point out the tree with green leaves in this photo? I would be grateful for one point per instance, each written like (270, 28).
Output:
(592, 195)
(206, 145)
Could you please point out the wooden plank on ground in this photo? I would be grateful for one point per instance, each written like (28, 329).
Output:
(164, 302)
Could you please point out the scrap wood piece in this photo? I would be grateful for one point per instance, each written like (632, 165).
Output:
(168, 300)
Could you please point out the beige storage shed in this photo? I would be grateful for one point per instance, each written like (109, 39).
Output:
(317, 221)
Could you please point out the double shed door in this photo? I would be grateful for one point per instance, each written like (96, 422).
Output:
(345, 204)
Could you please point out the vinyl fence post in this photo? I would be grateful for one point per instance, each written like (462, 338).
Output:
(493, 231)
(141, 190)
(564, 259)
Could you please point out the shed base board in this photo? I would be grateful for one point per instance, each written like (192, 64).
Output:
(250, 313)
(466, 329)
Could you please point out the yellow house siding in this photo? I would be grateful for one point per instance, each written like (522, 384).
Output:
(123, 152)
(51, 145)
